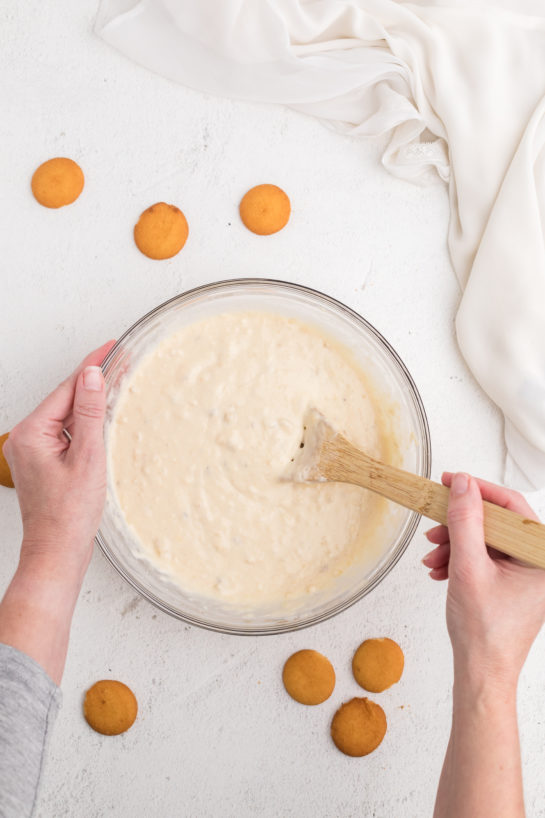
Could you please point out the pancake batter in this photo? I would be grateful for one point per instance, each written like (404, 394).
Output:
(202, 435)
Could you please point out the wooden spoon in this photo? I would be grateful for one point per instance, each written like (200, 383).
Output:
(327, 455)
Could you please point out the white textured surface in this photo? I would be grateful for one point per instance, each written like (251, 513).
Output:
(216, 734)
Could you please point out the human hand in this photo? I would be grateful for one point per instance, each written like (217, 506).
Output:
(495, 604)
(61, 485)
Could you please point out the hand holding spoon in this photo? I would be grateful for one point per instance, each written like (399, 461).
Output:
(328, 456)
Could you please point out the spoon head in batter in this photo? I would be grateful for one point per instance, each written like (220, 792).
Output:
(305, 465)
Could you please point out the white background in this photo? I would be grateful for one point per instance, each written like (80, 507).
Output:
(216, 734)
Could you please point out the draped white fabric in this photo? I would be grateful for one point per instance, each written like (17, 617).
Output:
(459, 88)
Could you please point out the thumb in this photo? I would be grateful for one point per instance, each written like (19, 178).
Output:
(88, 412)
(465, 524)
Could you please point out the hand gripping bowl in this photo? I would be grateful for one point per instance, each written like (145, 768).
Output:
(374, 355)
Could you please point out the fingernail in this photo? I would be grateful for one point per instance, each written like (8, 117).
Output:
(427, 556)
(92, 378)
(459, 484)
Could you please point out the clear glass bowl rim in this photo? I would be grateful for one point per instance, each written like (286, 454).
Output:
(414, 519)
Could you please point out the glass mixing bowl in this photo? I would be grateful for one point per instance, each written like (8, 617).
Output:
(386, 371)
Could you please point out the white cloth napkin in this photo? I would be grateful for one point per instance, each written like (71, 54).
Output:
(458, 86)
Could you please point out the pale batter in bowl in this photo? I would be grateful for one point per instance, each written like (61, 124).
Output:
(201, 440)
(401, 422)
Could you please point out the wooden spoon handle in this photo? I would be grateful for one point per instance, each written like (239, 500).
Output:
(505, 530)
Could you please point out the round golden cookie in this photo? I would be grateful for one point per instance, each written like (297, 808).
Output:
(358, 727)
(309, 677)
(265, 209)
(378, 664)
(57, 182)
(110, 707)
(161, 231)
(5, 474)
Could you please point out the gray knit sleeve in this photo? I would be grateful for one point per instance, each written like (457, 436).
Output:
(29, 702)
